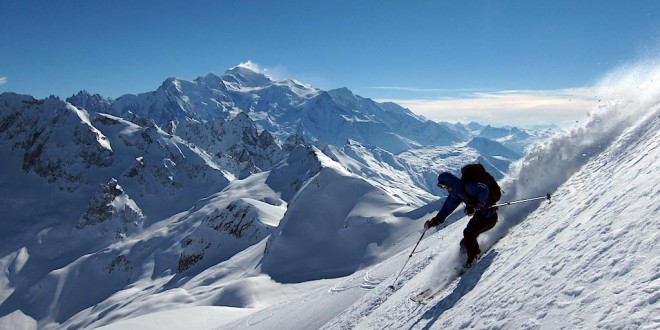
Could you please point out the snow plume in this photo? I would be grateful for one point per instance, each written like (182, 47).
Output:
(626, 96)
(3, 80)
(277, 72)
(252, 66)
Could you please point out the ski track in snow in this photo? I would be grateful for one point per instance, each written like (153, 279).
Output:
(371, 303)
(369, 282)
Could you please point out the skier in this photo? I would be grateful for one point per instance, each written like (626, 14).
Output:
(476, 196)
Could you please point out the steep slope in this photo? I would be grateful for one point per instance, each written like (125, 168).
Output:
(330, 228)
(236, 145)
(585, 260)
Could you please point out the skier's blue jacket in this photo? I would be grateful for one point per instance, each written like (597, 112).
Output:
(474, 194)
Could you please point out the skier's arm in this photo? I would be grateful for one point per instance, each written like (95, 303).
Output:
(451, 203)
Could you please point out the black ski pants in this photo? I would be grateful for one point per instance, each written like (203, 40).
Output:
(477, 225)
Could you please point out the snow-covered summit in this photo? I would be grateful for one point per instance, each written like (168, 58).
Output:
(89, 102)
(241, 77)
(55, 140)
(286, 106)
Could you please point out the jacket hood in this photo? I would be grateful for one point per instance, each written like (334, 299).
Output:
(448, 179)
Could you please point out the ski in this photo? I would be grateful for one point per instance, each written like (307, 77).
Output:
(429, 294)
(420, 297)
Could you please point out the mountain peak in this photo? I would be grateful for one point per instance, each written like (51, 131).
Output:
(212, 81)
(85, 100)
(246, 77)
(171, 84)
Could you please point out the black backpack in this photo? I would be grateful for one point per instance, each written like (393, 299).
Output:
(477, 173)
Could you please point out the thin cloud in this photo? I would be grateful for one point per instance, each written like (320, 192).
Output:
(251, 65)
(3, 80)
(513, 107)
(278, 72)
(425, 90)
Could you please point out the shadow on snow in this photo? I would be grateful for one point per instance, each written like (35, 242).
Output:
(467, 283)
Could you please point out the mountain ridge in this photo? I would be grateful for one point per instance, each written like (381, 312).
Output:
(290, 106)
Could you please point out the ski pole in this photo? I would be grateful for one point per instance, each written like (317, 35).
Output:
(521, 201)
(410, 256)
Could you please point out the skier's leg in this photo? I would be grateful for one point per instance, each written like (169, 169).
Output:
(477, 225)
(469, 241)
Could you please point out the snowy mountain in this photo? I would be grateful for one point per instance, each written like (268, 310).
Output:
(236, 145)
(588, 259)
(279, 109)
(236, 191)
(284, 107)
(94, 103)
(329, 227)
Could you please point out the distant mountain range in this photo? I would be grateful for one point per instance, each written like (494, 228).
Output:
(285, 107)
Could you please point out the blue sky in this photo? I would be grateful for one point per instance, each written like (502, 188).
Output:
(482, 57)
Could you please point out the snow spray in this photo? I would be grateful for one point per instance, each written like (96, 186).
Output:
(625, 95)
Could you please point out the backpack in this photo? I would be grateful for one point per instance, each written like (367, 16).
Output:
(477, 173)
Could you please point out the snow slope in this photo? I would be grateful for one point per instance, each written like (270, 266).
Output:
(589, 259)
(330, 228)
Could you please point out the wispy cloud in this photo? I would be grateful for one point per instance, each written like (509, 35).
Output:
(3, 80)
(251, 65)
(513, 107)
(277, 72)
(425, 90)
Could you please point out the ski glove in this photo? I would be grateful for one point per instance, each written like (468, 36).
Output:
(469, 210)
(432, 223)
